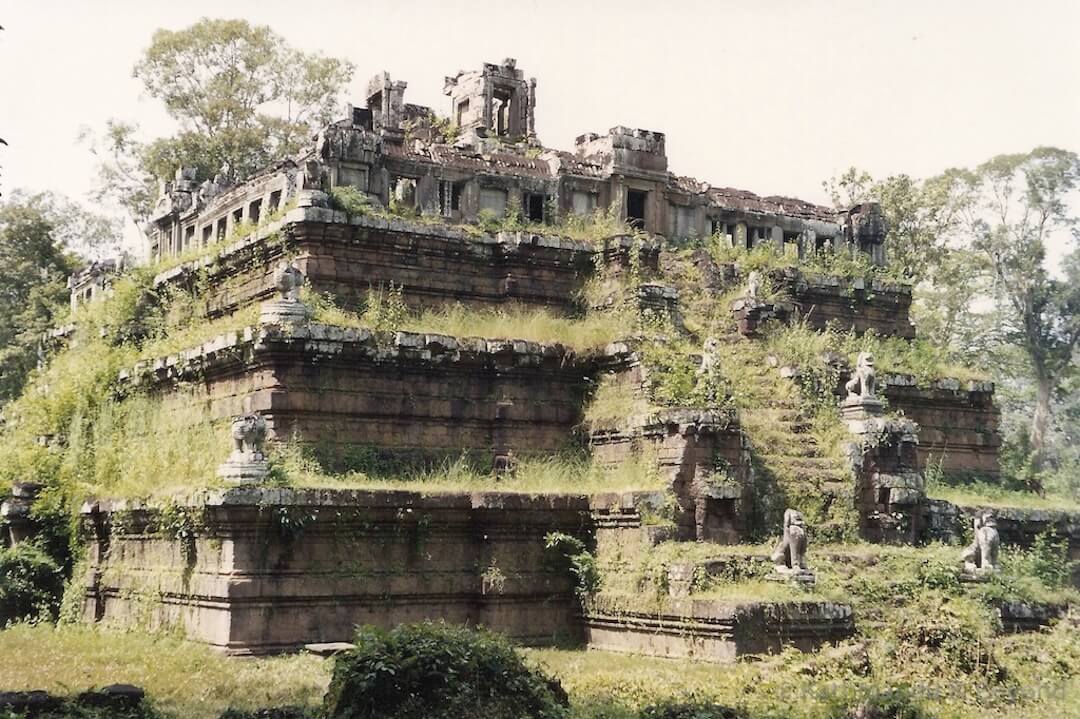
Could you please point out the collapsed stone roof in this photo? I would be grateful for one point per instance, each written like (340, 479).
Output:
(486, 157)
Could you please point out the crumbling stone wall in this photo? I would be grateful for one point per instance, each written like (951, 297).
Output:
(433, 265)
(958, 423)
(269, 570)
(865, 304)
(406, 395)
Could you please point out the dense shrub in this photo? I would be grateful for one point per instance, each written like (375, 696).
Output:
(436, 671)
(31, 584)
(896, 703)
(690, 709)
(272, 713)
(88, 705)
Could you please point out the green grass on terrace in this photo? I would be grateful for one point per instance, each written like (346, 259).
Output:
(983, 494)
(566, 472)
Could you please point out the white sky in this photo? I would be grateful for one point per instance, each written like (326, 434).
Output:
(772, 96)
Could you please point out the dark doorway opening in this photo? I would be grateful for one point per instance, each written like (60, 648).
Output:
(635, 208)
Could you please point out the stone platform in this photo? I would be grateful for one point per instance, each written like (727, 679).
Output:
(713, 630)
(269, 570)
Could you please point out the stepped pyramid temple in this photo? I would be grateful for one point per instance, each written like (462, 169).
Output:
(678, 411)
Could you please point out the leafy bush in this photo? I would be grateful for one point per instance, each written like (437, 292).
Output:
(436, 671)
(581, 563)
(690, 709)
(272, 713)
(31, 584)
(350, 200)
(895, 703)
(956, 634)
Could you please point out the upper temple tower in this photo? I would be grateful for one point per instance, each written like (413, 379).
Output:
(497, 100)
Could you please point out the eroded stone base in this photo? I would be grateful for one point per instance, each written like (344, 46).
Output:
(270, 570)
(713, 630)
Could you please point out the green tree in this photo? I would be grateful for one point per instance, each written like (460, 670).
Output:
(241, 97)
(38, 236)
(921, 214)
(1021, 200)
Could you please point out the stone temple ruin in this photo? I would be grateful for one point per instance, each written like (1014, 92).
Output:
(246, 582)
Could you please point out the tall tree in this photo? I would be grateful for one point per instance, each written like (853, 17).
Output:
(241, 98)
(38, 234)
(921, 214)
(1021, 201)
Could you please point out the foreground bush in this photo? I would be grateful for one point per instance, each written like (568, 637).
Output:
(31, 584)
(690, 709)
(436, 671)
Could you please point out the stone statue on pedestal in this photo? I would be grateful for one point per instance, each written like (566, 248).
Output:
(863, 384)
(981, 556)
(247, 464)
(753, 284)
(789, 558)
(287, 307)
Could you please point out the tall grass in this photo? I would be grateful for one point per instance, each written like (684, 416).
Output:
(566, 472)
(384, 310)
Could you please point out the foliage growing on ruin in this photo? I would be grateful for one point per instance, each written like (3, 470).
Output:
(241, 98)
(580, 562)
(31, 584)
(569, 471)
(39, 235)
(385, 310)
(437, 671)
(828, 262)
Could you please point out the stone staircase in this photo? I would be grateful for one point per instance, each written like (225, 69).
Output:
(787, 457)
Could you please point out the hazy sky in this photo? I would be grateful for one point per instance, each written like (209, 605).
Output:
(770, 96)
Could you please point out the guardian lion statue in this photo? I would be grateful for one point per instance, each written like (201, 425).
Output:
(863, 384)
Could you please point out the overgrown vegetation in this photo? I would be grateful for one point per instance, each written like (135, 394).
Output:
(31, 584)
(438, 671)
(825, 261)
(354, 467)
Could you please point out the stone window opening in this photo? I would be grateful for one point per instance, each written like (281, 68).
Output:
(502, 103)
(222, 227)
(822, 243)
(635, 208)
(462, 111)
(189, 235)
(207, 234)
(275, 200)
(534, 207)
(253, 211)
(883, 496)
(791, 244)
(237, 216)
(721, 229)
(450, 197)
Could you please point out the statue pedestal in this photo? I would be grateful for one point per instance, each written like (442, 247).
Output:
(856, 407)
(858, 413)
(244, 468)
(283, 312)
(975, 575)
(801, 577)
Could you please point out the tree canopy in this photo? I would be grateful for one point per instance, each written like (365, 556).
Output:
(39, 234)
(974, 242)
(241, 97)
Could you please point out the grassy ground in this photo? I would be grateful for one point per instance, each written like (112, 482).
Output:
(184, 680)
(189, 681)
